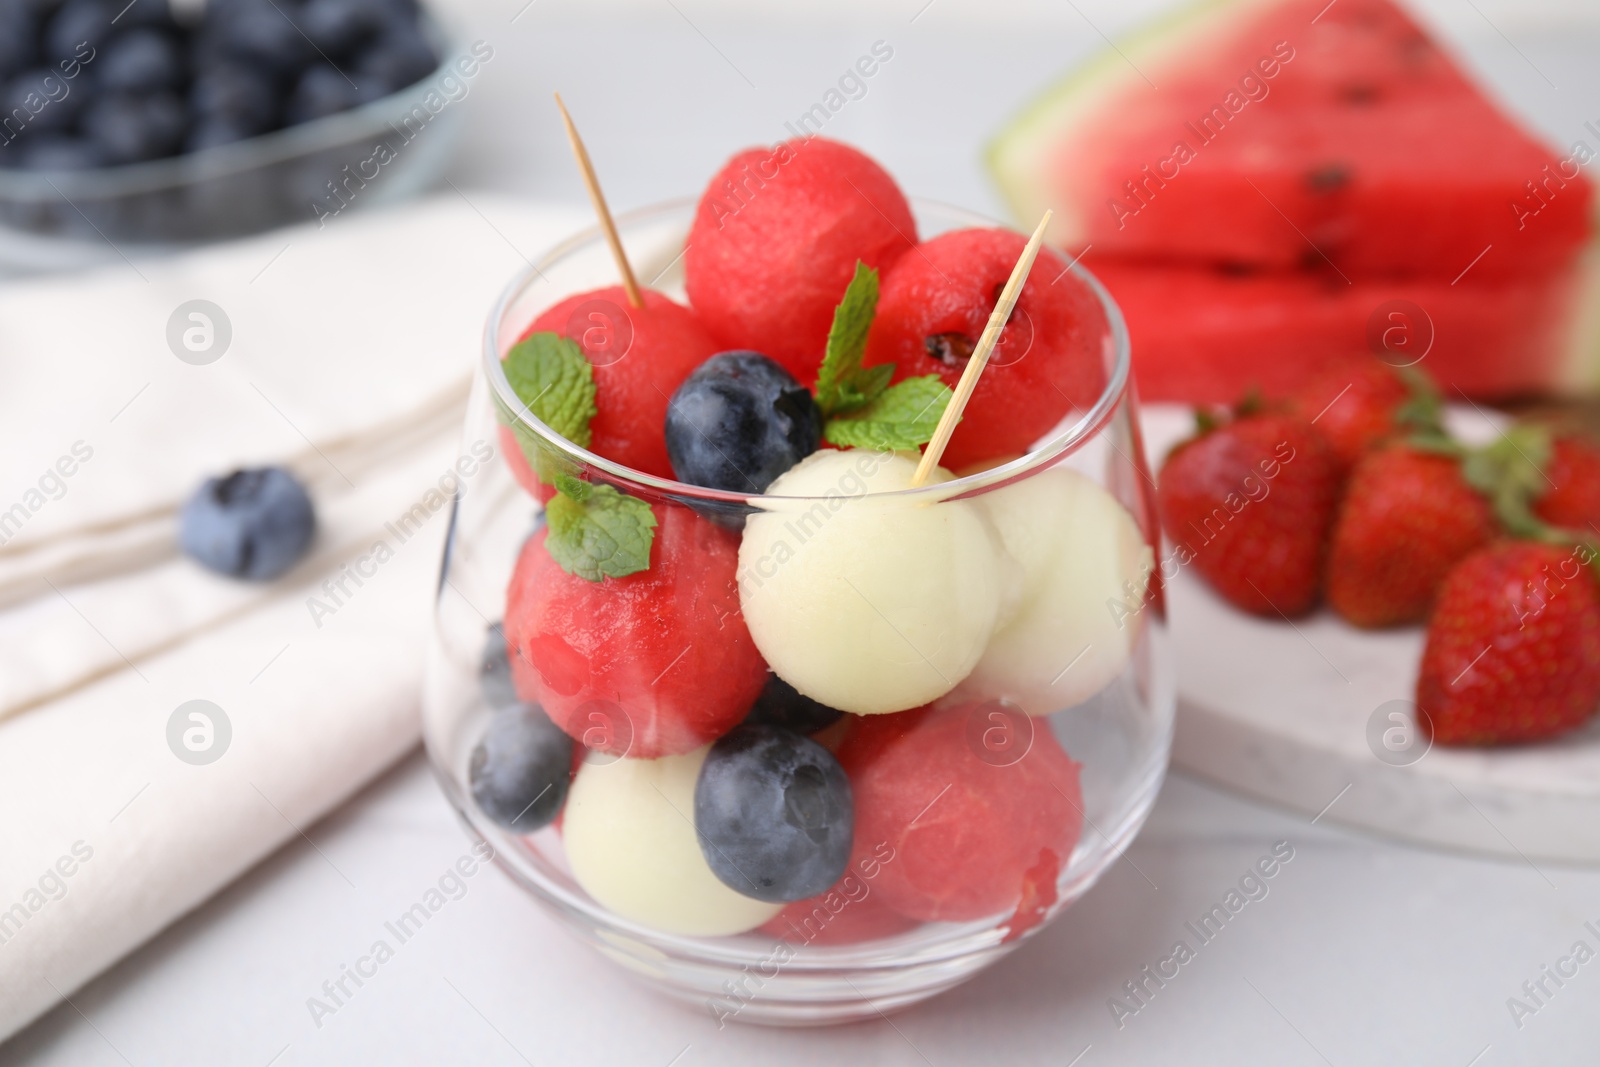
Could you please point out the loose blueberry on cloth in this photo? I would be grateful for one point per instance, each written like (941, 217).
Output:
(250, 524)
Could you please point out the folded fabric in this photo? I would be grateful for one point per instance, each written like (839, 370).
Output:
(337, 336)
(350, 353)
(110, 835)
(49, 645)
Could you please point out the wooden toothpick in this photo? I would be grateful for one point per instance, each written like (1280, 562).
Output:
(980, 355)
(596, 197)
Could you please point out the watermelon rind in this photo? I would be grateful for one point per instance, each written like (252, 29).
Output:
(1016, 156)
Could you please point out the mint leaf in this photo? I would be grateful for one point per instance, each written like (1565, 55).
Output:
(863, 386)
(842, 384)
(549, 374)
(603, 534)
(903, 416)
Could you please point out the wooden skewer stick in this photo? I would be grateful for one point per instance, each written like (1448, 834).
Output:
(980, 355)
(596, 197)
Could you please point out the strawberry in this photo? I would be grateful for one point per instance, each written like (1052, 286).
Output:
(1249, 502)
(1513, 650)
(1407, 518)
(1571, 496)
(1356, 409)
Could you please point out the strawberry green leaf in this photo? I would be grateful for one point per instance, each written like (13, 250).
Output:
(598, 532)
(903, 416)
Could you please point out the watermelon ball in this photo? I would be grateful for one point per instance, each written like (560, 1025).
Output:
(521, 469)
(775, 242)
(773, 812)
(969, 834)
(655, 663)
(640, 356)
(632, 847)
(865, 605)
(847, 914)
(932, 309)
(781, 704)
(519, 772)
(738, 422)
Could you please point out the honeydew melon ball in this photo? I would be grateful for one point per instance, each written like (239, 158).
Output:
(629, 834)
(1080, 553)
(864, 604)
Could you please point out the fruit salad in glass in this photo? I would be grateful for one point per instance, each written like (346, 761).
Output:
(764, 718)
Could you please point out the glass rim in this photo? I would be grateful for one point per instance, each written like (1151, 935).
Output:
(1043, 455)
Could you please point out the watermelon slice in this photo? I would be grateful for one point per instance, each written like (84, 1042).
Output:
(1201, 335)
(1294, 132)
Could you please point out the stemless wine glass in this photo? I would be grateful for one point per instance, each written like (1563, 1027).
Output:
(978, 817)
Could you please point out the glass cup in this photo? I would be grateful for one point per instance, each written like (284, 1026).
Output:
(1016, 609)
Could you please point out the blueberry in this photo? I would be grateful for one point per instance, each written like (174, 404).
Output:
(19, 37)
(520, 771)
(79, 29)
(251, 524)
(212, 133)
(132, 129)
(235, 96)
(494, 669)
(773, 813)
(780, 704)
(140, 61)
(263, 31)
(398, 58)
(44, 99)
(338, 26)
(738, 422)
(321, 91)
(55, 152)
(156, 14)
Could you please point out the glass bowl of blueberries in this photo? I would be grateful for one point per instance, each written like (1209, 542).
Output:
(130, 125)
(776, 726)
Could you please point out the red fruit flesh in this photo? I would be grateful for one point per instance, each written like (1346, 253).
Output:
(1206, 336)
(775, 242)
(1407, 518)
(653, 664)
(933, 308)
(521, 469)
(1513, 650)
(1294, 130)
(961, 838)
(1573, 499)
(1250, 505)
(640, 357)
(847, 914)
(1353, 409)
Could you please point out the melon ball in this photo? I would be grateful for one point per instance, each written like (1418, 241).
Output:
(1085, 566)
(640, 356)
(865, 604)
(631, 843)
(775, 242)
(1050, 359)
(964, 833)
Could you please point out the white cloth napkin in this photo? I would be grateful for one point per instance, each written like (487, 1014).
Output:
(351, 350)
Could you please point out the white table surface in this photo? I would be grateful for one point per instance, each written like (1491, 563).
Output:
(1364, 951)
